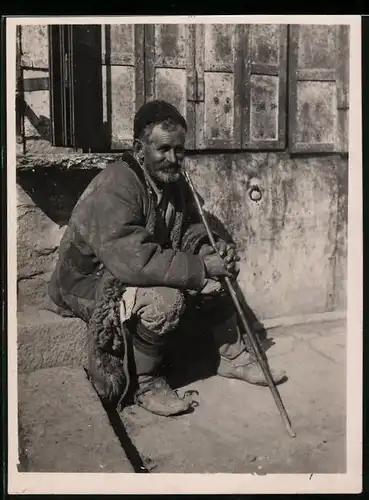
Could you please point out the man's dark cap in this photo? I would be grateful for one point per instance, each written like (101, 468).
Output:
(154, 112)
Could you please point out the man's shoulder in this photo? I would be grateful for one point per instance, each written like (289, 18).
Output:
(115, 177)
(123, 168)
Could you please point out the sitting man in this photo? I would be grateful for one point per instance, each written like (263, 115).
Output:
(135, 257)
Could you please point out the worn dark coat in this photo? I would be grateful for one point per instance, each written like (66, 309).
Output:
(111, 242)
(108, 234)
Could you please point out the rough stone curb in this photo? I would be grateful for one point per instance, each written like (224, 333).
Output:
(45, 340)
(63, 425)
(65, 161)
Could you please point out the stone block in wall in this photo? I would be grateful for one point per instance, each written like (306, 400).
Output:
(48, 187)
(33, 292)
(38, 239)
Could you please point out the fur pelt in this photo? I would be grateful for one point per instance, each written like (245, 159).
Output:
(107, 345)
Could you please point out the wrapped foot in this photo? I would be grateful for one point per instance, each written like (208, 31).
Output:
(246, 368)
(156, 396)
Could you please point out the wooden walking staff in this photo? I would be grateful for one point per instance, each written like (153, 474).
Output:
(254, 343)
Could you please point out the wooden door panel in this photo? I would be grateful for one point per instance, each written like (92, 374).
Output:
(264, 111)
(123, 81)
(169, 69)
(316, 112)
(218, 115)
(123, 108)
(171, 86)
(264, 108)
(219, 92)
(318, 84)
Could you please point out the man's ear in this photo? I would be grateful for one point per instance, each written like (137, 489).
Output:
(138, 148)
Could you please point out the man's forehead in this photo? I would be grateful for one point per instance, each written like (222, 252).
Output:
(163, 134)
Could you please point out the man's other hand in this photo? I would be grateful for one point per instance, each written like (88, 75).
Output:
(211, 287)
(215, 266)
(227, 252)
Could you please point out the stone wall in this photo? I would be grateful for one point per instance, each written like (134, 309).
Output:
(293, 242)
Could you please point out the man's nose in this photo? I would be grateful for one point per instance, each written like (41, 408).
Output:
(172, 157)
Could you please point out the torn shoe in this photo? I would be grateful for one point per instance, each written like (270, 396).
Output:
(156, 396)
(246, 368)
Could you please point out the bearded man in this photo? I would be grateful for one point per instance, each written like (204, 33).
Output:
(135, 257)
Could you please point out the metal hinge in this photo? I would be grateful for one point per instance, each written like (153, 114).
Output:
(200, 87)
(195, 86)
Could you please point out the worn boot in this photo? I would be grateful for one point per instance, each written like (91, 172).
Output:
(156, 396)
(245, 367)
(153, 392)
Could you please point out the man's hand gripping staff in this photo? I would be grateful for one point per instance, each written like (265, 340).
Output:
(221, 261)
(225, 270)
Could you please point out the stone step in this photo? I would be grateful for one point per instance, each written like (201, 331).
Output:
(46, 339)
(63, 425)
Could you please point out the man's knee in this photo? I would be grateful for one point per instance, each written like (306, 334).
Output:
(160, 308)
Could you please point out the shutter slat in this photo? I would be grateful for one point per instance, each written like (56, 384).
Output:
(322, 75)
(34, 84)
(264, 69)
(265, 87)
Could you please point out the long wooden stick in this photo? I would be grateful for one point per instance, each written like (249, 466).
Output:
(253, 341)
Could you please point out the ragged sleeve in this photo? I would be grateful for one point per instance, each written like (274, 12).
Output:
(116, 233)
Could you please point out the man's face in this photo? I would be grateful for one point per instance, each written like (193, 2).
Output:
(163, 152)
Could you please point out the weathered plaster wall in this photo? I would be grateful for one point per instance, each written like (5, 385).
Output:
(292, 242)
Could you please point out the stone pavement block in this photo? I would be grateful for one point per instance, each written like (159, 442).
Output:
(235, 421)
(332, 347)
(45, 339)
(281, 345)
(63, 426)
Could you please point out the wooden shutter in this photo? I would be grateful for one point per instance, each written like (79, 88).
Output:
(123, 81)
(169, 69)
(264, 120)
(314, 88)
(76, 86)
(219, 86)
